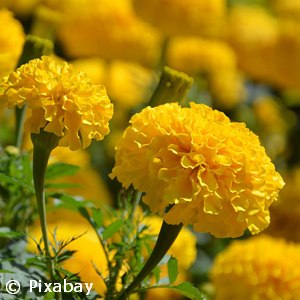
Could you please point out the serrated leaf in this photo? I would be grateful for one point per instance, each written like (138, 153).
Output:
(172, 269)
(188, 290)
(110, 230)
(68, 201)
(97, 216)
(5, 232)
(60, 169)
(8, 179)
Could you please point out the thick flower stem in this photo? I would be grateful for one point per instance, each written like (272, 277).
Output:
(167, 236)
(173, 86)
(43, 144)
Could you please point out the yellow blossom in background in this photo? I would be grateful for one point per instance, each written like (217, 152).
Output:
(177, 17)
(214, 172)
(88, 250)
(108, 29)
(227, 89)
(95, 68)
(90, 184)
(285, 214)
(196, 56)
(260, 268)
(12, 38)
(60, 100)
(253, 34)
(129, 84)
(286, 8)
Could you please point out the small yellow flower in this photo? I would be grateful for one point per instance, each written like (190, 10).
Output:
(12, 39)
(20, 7)
(214, 172)
(177, 17)
(60, 100)
(261, 268)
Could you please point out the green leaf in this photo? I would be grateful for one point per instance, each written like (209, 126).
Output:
(5, 232)
(188, 290)
(8, 179)
(172, 269)
(60, 169)
(97, 216)
(110, 230)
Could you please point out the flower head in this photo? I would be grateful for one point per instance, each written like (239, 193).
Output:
(60, 101)
(213, 172)
(264, 267)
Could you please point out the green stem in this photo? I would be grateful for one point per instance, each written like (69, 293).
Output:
(167, 236)
(20, 116)
(43, 144)
(173, 86)
(40, 162)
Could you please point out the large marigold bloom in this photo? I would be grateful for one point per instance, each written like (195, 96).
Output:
(12, 39)
(261, 268)
(215, 173)
(60, 101)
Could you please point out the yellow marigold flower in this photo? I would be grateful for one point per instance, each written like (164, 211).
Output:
(176, 17)
(12, 39)
(88, 251)
(108, 29)
(61, 101)
(215, 173)
(196, 56)
(261, 268)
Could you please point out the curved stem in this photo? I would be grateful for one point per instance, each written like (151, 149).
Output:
(167, 236)
(40, 162)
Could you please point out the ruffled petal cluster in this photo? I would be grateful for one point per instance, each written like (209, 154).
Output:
(60, 101)
(213, 172)
(261, 268)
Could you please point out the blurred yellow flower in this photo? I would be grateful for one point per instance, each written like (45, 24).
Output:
(196, 56)
(285, 215)
(177, 17)
(261, 268)
(90, 184)
(88, 250)
(60, 100)
(12, 39)
(129, 84)
(215, 173)
(253, 34)
(286, 8)
(108, 29)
